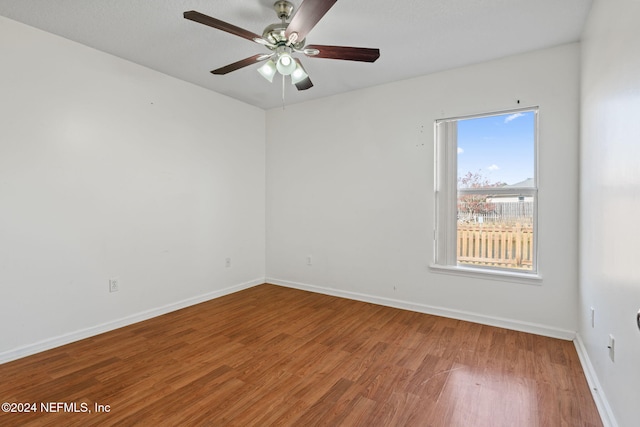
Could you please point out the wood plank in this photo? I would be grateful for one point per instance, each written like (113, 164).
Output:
(276, 356)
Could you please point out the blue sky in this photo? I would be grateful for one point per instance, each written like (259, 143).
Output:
(500, 147)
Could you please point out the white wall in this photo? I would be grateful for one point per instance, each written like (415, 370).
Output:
(610, 202)
(108, 169)
(350, 182)
(111, 169)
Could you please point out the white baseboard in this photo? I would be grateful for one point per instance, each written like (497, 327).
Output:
(515, 325)
(606, 414)
(50, 343)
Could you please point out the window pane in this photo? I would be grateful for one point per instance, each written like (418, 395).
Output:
(496, 151)
(495, 228)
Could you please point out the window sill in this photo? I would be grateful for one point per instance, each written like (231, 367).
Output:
(506, 276)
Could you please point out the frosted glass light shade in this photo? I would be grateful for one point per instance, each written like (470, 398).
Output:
(299, 74)
(268, 70)
(285, 65)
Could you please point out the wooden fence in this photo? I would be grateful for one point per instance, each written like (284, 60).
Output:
(496, 245)
(510, 212)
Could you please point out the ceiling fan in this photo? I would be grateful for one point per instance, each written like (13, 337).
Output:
(286, 38)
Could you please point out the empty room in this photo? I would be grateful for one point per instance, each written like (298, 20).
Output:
(320, 212)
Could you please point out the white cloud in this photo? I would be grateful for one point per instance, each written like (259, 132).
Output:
(493, 168)
(460, 150)
(513, 117)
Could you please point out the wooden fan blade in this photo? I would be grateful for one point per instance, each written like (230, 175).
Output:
(304, 84)
(240, 64)
(346, 53)
(220, 25)
(307, 16)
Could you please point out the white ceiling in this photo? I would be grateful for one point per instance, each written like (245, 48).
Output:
(415, 37)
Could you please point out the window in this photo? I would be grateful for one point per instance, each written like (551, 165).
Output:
(486, 193)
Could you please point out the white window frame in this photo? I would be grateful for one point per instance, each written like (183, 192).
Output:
(446, 195)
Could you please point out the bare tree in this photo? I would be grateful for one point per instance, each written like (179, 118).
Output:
(472, 205)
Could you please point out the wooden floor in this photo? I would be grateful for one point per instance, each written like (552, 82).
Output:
(277, 356)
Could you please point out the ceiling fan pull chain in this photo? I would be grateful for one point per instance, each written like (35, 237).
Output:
(283, 91)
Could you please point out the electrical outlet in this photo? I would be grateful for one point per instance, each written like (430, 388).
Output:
(593, 317)
(612, 348)
(309, 260)
(114, 285)
(227, 262)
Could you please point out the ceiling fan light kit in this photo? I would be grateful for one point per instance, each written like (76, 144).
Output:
(286, 38)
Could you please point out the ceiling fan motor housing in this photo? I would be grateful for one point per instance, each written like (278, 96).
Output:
(275, 33)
